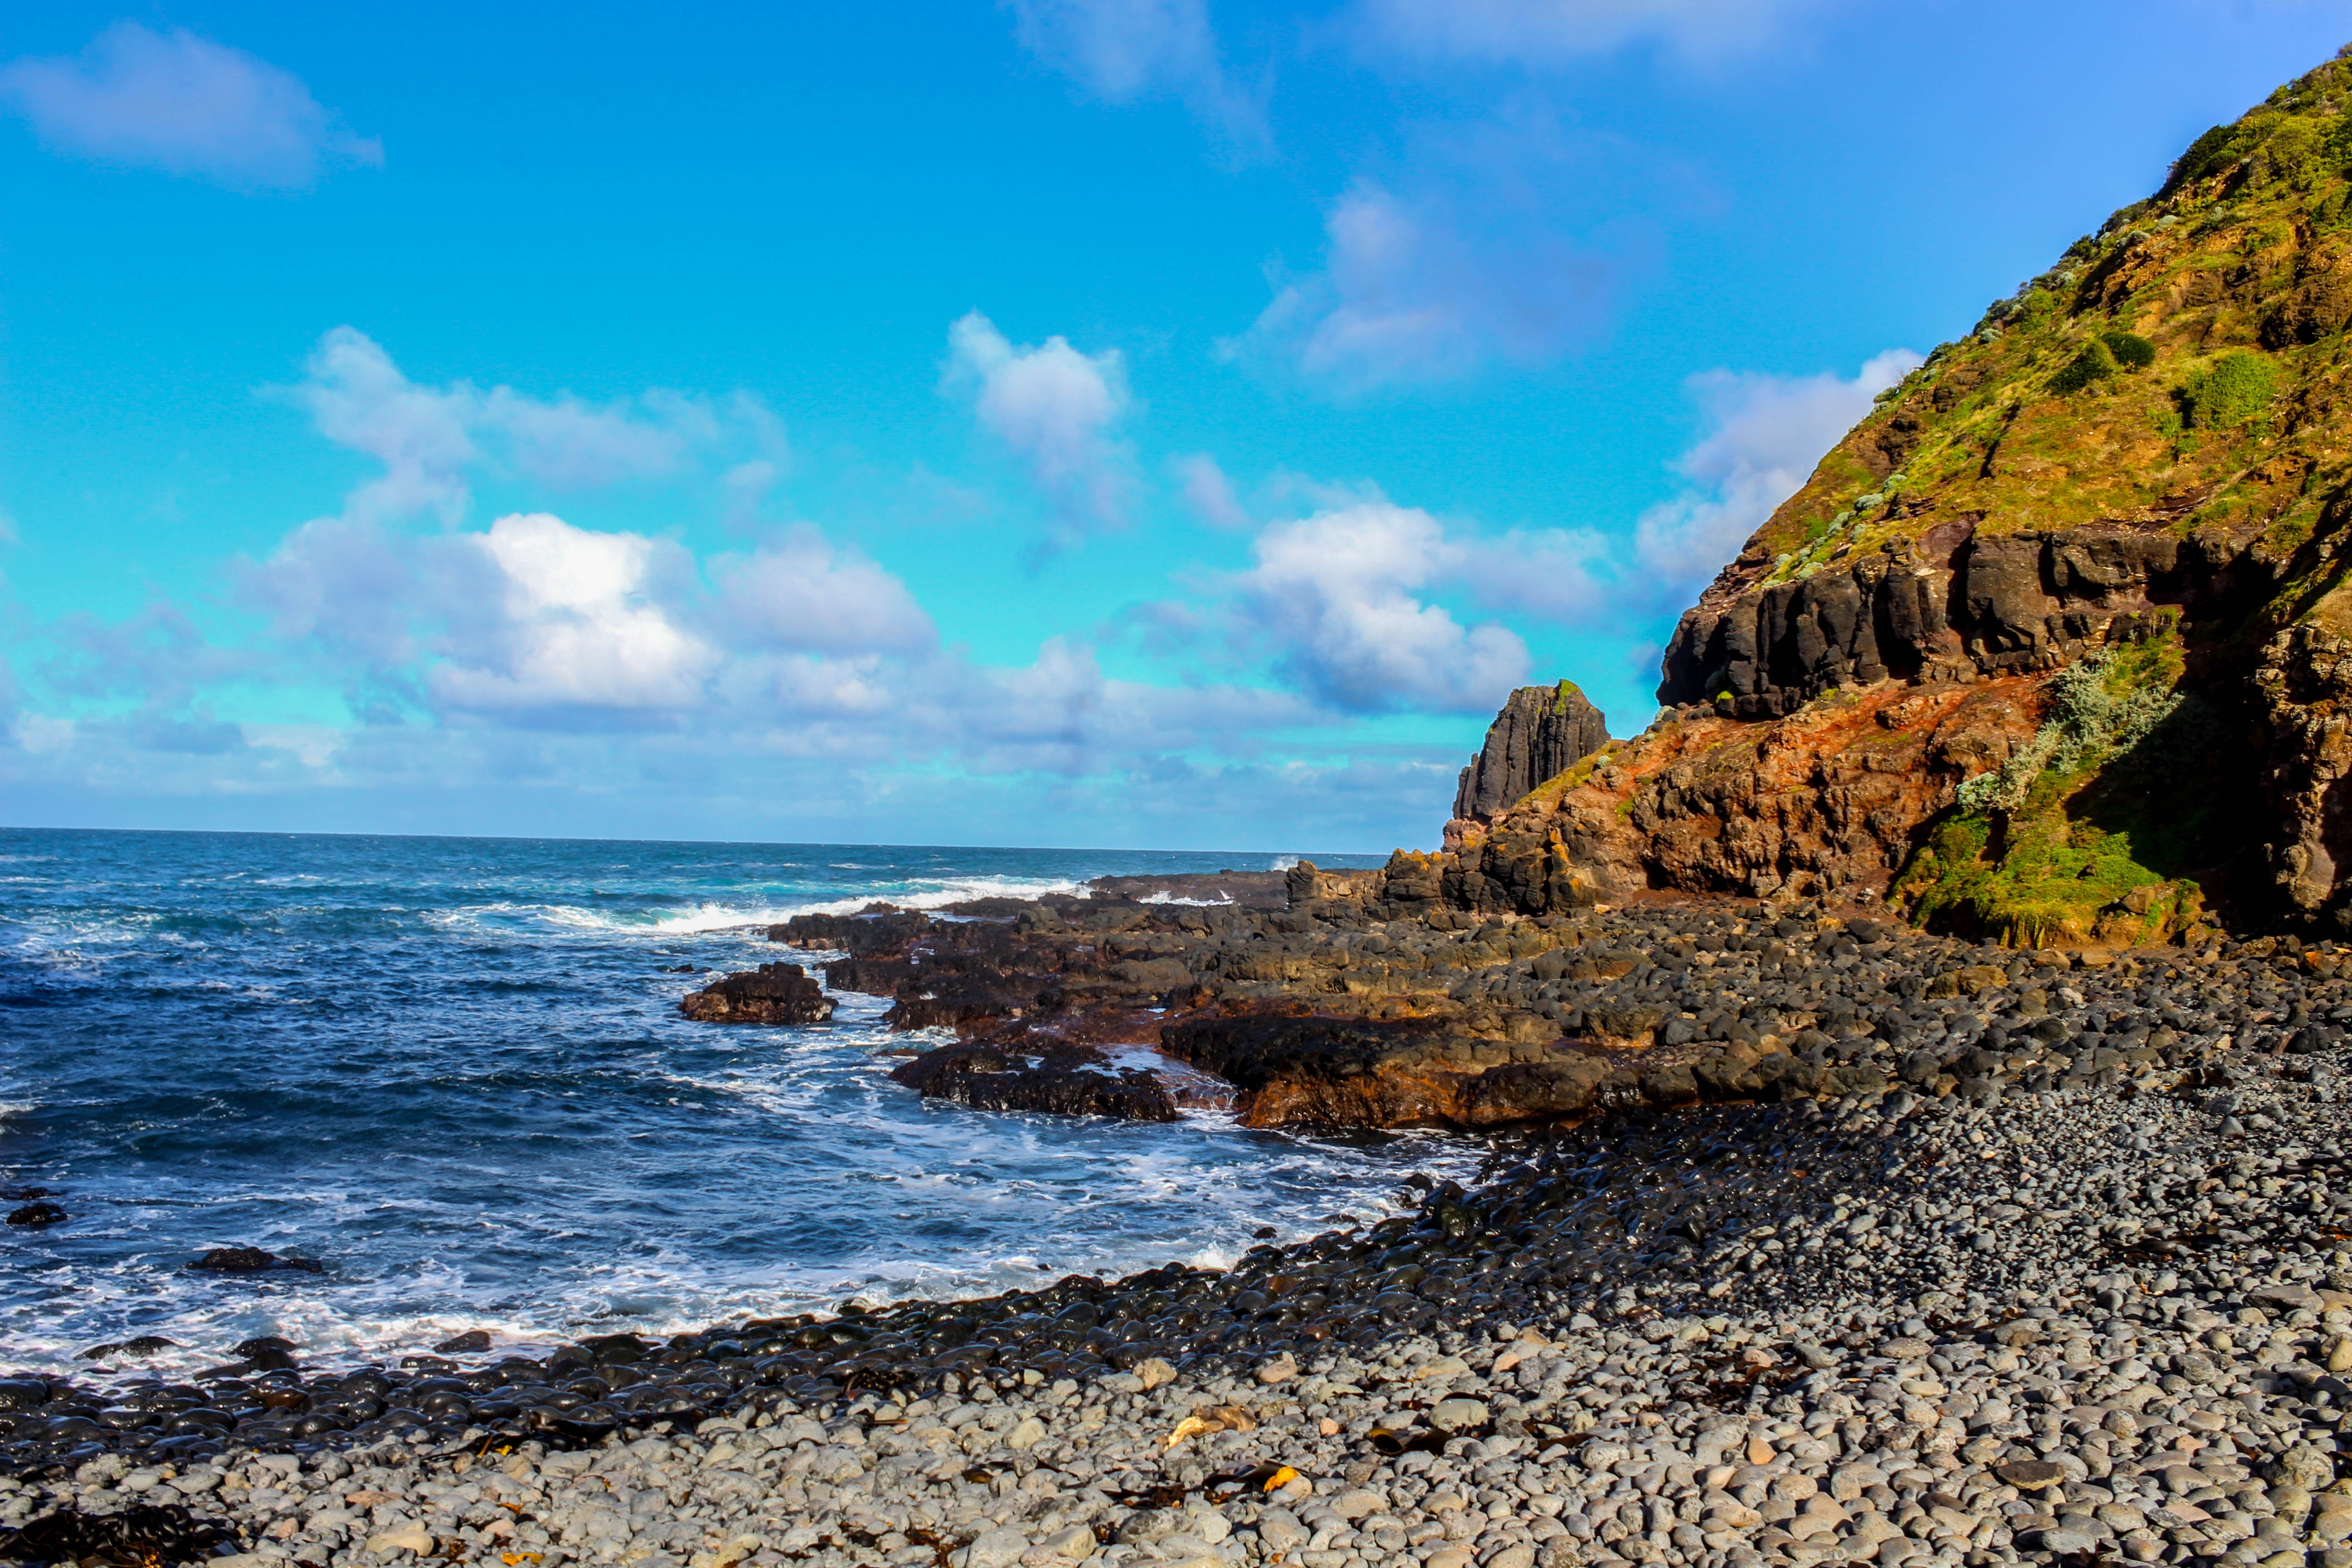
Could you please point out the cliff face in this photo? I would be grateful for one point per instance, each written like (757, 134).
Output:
(2055, 646)
(1541, 732)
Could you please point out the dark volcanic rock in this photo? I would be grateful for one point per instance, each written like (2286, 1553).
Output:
(1062, 1079)
(1245, 890)
(144, 1345)
(38, 1213)
(771, 994)
(251, 1260)
(878, 931)
(1952, 603)
(1541, 732)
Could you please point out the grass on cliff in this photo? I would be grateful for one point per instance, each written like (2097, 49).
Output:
(2186, 365)
(2100, 830)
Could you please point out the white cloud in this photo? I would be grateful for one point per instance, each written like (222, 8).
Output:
(358, 398)
(571, 619)
(347, 583)
(1548, 32)
(1208, 494)
(1056, 410)
(1766, 434)
(1122, 50)
(802, 592)
(1467, 259)
(1559, 574)
(428, 437)
(183, 104)
(313, 745)
(1335, 593)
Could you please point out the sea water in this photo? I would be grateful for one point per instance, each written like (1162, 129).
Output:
(453, 1071)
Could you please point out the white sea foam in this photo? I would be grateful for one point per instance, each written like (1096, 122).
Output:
(713, 917)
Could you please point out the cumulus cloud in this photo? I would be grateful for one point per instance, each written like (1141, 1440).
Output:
(569, 619)
(1208, 494)
(802, 592)
(1765, 434)
(1548, 32)
(1335, 593)
(1056, 410)
(1122, 50)
(175, 102)
(428, 437)
(1562, 574)
(1470, 256)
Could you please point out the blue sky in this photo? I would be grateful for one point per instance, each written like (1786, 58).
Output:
(1070, 422)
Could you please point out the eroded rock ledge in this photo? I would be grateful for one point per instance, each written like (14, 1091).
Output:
(1954, 602)
(1356, 1012)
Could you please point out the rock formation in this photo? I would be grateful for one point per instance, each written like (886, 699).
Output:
(1541, 732)
(2049, 647)
(771, 994)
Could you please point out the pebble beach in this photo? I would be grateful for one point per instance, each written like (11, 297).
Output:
(2023, 1306)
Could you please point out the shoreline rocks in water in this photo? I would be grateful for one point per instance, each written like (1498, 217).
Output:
(771, 994)
(2105, 1316)
(1345, 1012)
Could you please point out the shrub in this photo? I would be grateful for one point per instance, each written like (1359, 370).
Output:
(2291, 157)
(2095, 362)
(2238, 386)
(2131, 351)
(2091, 716)
(2206, 155)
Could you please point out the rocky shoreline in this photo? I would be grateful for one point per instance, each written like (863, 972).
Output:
(1923, 1251)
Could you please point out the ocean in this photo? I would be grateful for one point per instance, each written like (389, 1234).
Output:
(453, 1071)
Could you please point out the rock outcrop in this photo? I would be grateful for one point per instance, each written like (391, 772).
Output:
(1826, 801)
(1541, 732)
(2305, 681)
(1948, 605)
(2048, 647)
(771, 994)
(1060, 1078)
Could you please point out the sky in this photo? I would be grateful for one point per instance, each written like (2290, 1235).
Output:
(1119, 423)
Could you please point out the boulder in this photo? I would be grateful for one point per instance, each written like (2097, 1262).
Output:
(771, 994)
(1060, 1078)
(252, 1260)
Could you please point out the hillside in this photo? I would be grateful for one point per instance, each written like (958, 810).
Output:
(2052, 646)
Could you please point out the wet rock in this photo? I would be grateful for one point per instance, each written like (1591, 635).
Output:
(473, 1341)
(1059, 1078)
(135, 1349)
(37, 1214)
(771, 994)
(251, 1260)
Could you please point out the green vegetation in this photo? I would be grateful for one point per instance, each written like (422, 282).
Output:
(2232, 391)
(2130, 350)
(2095, 362)
(2094, 711)
(2092, 830)
(2127, 375)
